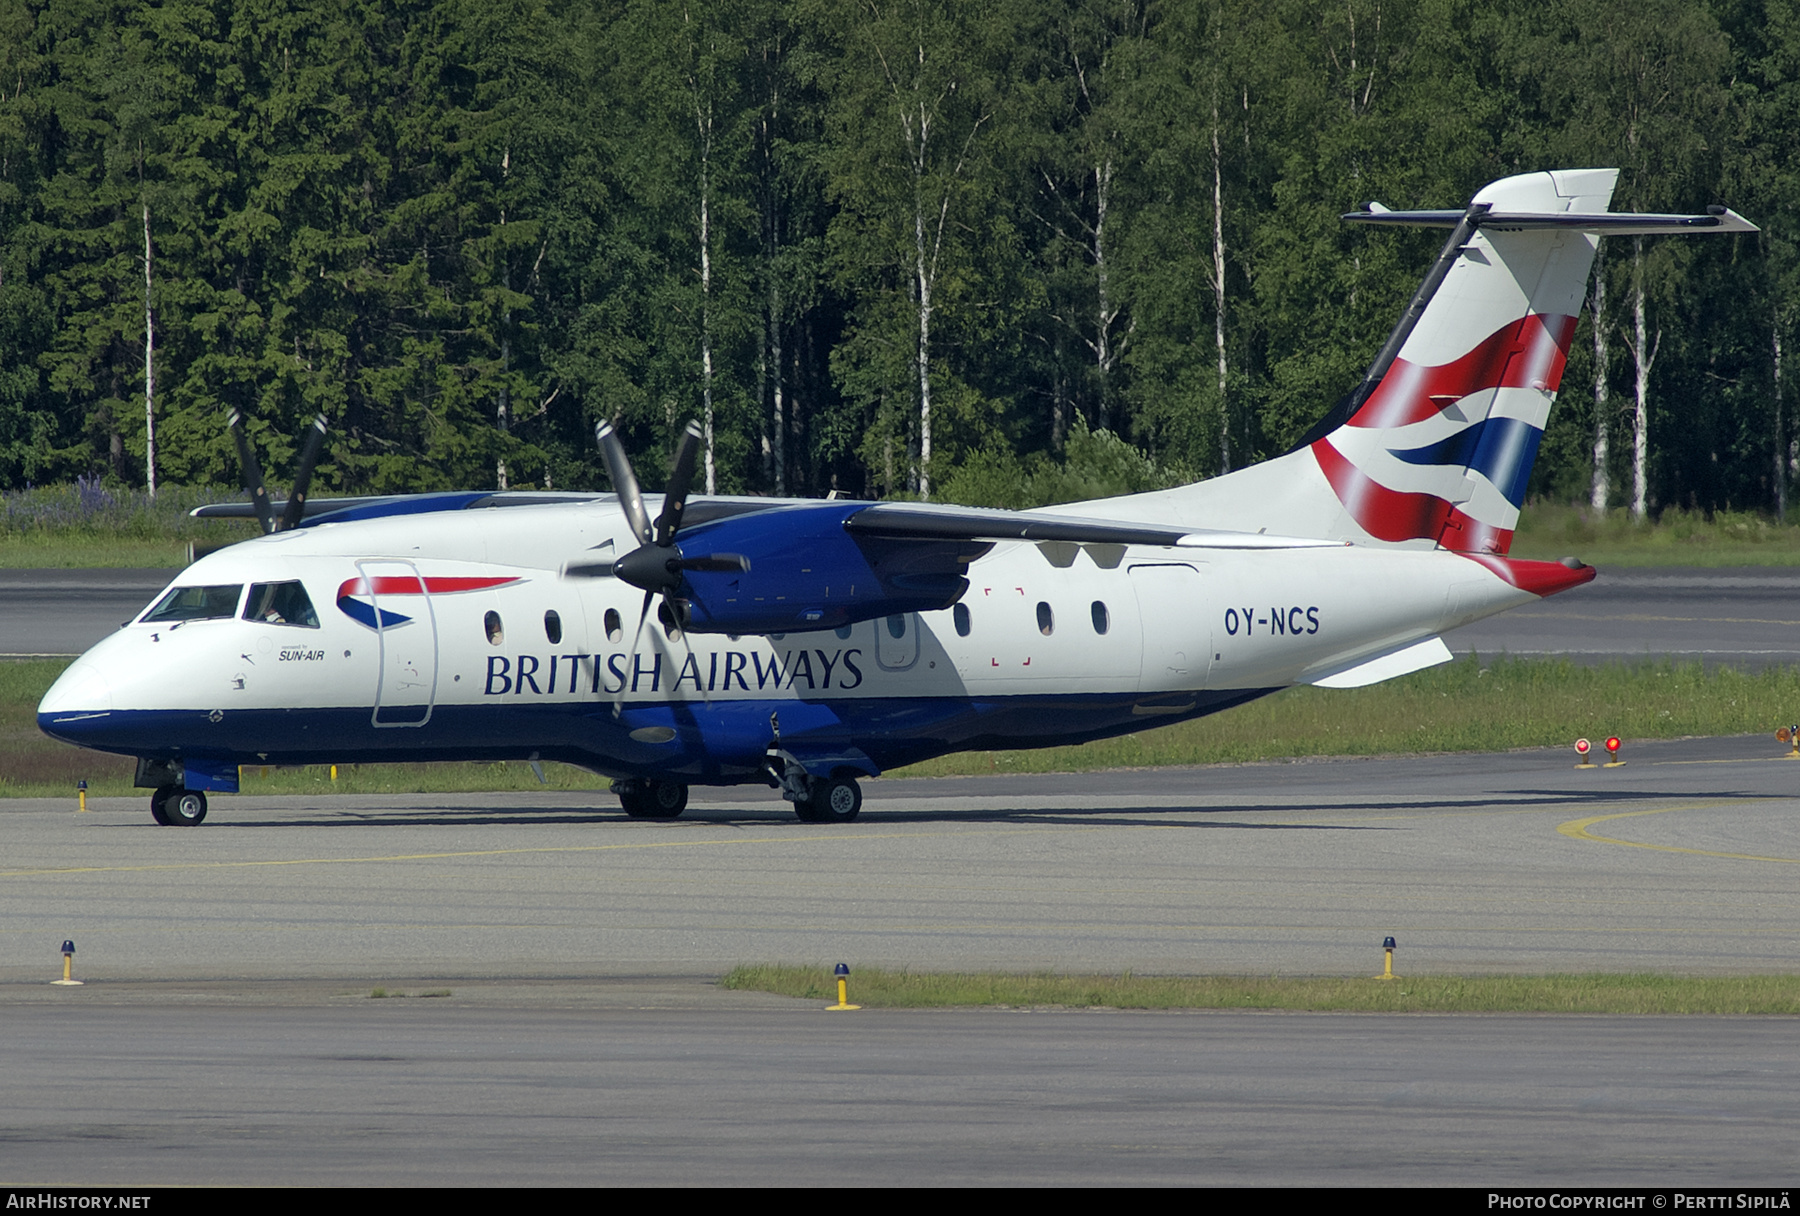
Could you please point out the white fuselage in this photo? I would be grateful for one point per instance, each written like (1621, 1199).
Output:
(1034, 653)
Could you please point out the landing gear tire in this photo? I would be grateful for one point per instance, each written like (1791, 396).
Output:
(176, 807)
(652, 799)
(833, 800)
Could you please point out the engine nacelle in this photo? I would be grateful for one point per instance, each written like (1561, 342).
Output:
(808, 572)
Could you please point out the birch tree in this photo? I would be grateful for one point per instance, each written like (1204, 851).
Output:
(913, 102)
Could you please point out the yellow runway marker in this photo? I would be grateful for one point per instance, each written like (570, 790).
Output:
(1577, 829)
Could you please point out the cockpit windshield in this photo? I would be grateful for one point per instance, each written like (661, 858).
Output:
(195, 604)
(280, 604)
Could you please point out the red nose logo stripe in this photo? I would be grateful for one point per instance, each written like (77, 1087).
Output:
(406, 584)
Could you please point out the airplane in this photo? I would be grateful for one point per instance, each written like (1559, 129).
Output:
(814, 644)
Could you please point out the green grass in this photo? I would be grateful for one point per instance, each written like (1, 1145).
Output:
(72, 553)
(92, 524)
(383, 994)
(1675, 538)
(70, 526)
(1594, 993)
(1461, 706)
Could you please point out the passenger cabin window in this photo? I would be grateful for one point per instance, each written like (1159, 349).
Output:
(495, 634)
(553, 627)
(896, 625)
(280, 604)
(195, 604)
(1046, 619)
(1102, 621)
(843, 632)
(615, 630)
(960, 615)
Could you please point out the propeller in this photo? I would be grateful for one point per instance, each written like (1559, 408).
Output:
(657, 565)
(253, 478)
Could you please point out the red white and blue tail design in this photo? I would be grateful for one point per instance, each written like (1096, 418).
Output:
(1444, 452)
(1434, 449)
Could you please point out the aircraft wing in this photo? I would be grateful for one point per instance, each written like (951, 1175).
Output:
(928, 521)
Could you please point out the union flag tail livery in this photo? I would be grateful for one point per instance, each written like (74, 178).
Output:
(1441, 449)
(1435, 447)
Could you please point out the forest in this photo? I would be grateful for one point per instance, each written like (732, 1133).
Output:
(1006, 252)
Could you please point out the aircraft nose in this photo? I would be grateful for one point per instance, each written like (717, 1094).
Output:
(80, 700)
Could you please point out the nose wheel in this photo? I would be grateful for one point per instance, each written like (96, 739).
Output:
(175, 807)
(830, 800)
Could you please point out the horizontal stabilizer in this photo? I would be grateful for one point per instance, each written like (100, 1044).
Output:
(1608, 223)
(1404, 661)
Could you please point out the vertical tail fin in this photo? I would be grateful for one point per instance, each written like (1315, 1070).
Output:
(1435, 447)
(1440, 437)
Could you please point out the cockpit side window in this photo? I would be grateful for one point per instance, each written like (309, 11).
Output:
(195, 604)
(280, 604)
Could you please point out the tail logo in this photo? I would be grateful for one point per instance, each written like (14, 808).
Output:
(1445, 452)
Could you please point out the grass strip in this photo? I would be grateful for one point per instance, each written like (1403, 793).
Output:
(1548, 531)
(1589, 993)
(91, 524)
(1465, 706)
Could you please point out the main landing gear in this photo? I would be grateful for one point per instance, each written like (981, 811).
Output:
(651, 799)
(830, 800)
(173, 806)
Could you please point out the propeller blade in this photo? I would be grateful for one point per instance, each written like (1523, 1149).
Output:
(309, 456)
(643, 615)
(678, 614)
(253, 478)
(681, 480)
(618, 467)
(716, 563)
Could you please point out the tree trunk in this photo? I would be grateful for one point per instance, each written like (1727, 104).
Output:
(1219, 295)
(703, 120)
(924, 352)
(776, 456)
(1602, 416)
(1103, 352)
(1645, 357)
(149, 369)
(1780, 442)
(503, 406)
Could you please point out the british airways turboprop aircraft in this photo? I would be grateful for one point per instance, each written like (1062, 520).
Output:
(810, 644)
